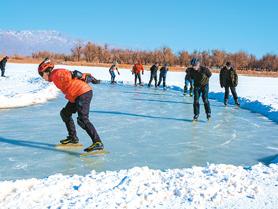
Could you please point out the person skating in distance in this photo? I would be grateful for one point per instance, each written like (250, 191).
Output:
(229, 80)
(112, 70)
(162, 75)
(153, 70)
(136, 69)
(79, 95)
(3, 65)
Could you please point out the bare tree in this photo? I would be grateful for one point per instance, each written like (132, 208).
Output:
(218, 58)
(90, 52)
(77, 51)
(184, 58)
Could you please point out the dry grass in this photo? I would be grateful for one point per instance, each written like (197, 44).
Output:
(30, 60)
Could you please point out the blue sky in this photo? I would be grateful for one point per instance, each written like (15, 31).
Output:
(230, 25)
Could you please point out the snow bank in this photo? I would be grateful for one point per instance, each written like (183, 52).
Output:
(23, 87)
(214, 186)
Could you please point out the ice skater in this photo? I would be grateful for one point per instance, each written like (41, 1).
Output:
(153, 70)
(229, 80)
(136, 70)
(162, 75)
(79, 95)
(3, 65)
(112, 70)
(200, 76)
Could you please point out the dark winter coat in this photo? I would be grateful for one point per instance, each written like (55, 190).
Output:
(228, 77)
(200, 76)
(3, 63)
(154, 70)
(163, 71)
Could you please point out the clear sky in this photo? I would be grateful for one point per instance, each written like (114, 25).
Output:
(230, 25)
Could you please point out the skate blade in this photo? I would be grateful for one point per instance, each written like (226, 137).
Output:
(69, 146)
(94, 153)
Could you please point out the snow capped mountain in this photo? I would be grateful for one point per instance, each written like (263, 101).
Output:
(27, 42)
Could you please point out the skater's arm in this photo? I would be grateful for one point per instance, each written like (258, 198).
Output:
(221, 79)
(235, 79)
(87, 77)
(142, 68)
(207, 72)
(118, 71)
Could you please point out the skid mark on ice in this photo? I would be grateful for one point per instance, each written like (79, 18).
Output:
(272, 148)
(21, 166)
(234, 135)
(216, 126)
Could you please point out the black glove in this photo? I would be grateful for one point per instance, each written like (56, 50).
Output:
(76, 74)
(91, 79)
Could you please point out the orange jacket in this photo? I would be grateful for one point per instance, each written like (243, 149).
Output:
(71, 87)
(137, 68)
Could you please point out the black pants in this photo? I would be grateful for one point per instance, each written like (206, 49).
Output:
(153, 76)
(2, 71)
(197, 93)
(162, 77)
(137, 75)
(82, 107)
(227, 92)
(113, 76)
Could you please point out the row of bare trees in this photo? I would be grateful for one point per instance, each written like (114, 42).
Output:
(93, 53)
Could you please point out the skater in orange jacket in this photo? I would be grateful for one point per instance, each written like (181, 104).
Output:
(79, 93)
(137, 68)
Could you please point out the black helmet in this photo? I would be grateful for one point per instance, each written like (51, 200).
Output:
(228, 64)
(194, 61)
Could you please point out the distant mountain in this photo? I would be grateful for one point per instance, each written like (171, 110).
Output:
(27, 42)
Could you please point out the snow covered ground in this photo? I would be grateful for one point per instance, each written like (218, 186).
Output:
(213, 186)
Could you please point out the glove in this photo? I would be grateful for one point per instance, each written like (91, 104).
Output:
(118, 73)
(91, 79)
(142, 72)
(95, 81)
(76, 74)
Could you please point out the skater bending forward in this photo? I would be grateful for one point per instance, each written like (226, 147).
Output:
(79, 95)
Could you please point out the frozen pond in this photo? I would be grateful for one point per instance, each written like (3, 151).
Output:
(139, 127)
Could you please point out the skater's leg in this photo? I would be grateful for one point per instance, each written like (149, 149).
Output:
(112, 76)
(160, 79)
(151, 79)
(226, 97)
(196, 105)
(164, 81)
(233, 90)
(83, 107)
(155, 80)
(2, 72)
(205, 90)
(66, 115)
(139, 77)
(191, 87)
(136, 76)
